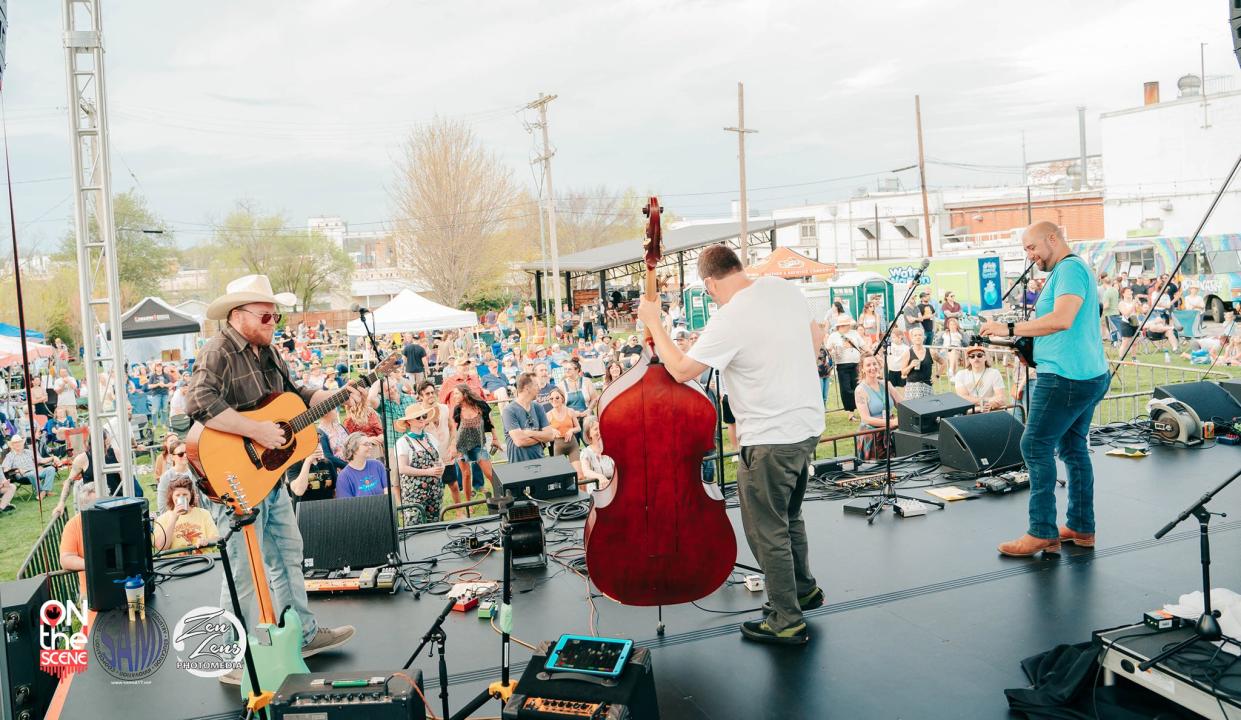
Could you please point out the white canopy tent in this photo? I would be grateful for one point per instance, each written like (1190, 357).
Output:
(411, 312)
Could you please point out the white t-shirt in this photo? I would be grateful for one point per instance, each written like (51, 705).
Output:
(980, 386)
(760, 342)
(1194, 302)
(846, 347)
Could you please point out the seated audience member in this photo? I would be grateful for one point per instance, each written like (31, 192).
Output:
(184, 523)
(595, 465)
(54, 432)
(630, 352)
(495, 383)
(1232, 352)
(1159, 328)
(179, 467)
(72, 552)
(564, 421)
(869, 399)
(18, 465)
(1193, 299)
(979, 383)
(362, 475)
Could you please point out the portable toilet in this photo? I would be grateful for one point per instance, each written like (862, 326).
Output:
(854, 289)
(697, 305)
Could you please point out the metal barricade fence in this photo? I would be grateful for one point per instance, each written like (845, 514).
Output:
(44, 557)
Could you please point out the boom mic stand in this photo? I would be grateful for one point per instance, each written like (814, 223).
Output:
(436, 635)
(1024, 282)
(1207, 627)
(888, 496)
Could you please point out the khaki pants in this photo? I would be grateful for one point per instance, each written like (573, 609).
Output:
(771, 483)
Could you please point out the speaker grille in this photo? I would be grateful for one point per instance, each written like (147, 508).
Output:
(1209, 400)
(346, 532)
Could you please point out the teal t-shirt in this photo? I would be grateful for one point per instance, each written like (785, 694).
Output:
(1075, 353)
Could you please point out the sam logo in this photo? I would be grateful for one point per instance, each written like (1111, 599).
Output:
(130, 650)
(203, 639)
(904, 274)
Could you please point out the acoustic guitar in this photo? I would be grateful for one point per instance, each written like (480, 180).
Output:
(236, 471)
(1023, 346)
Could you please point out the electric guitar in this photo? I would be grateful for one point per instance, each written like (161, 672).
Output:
(236, 471)
(275, 647)
(1023, 346)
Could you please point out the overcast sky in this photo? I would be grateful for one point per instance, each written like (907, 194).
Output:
(301, 106)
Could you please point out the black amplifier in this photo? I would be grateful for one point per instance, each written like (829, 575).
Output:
(922, 415)
(545, 478)
(543, 695)
(348, 695)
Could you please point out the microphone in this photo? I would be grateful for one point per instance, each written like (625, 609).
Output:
(359, 309)
(926, 263)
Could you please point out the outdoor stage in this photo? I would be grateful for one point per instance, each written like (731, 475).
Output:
(923, 617)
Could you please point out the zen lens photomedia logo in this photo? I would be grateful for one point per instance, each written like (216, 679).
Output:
(209, 642)
(130, 650)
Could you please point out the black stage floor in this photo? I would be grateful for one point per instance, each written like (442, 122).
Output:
(923, 618)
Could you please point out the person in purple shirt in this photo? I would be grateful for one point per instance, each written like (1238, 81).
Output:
(362, 475)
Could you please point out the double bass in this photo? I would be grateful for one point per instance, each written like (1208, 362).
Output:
(657, 535)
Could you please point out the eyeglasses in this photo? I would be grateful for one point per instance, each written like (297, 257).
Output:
(264, 318)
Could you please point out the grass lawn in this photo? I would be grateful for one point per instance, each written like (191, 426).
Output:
(19, 529)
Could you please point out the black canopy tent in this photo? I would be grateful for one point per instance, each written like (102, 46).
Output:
(152, 317)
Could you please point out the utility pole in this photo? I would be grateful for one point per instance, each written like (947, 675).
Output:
(741, 131)
(541, 106)
(1082, 179)
(1202, 68)
(926, 208)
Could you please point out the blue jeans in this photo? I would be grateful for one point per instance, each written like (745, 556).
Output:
(159, 405)
(1060, 411)
(47, 476)
(281, 543)
(824, 384)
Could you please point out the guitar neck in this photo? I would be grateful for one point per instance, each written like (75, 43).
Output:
(312, 414)
(254, 552)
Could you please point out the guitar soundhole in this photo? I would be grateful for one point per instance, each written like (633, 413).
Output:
(276, 457)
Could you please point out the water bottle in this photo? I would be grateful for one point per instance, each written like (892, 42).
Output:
(1167, 358)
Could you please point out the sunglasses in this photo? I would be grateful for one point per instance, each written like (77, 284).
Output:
(264, 318)
(180, 454)
(975, 356)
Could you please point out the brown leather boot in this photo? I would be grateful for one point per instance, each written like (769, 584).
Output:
(1029, 546)
(1085, 540)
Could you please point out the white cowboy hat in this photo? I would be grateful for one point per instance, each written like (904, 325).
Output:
(248, 289)
(844, 320)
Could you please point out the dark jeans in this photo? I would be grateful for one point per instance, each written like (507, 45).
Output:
(1060, 411)
(846, 375)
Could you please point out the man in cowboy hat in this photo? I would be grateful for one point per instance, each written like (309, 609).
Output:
(235, 370)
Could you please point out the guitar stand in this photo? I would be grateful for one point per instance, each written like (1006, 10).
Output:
(256, 705)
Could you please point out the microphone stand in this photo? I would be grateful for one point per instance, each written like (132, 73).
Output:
(1024, 282)
(383, 421)
(1207, 627)
(888, 496)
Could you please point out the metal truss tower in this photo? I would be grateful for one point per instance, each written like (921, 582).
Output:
(98, 279)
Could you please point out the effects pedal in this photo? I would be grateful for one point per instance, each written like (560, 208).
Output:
(755, 583)
(910, 508)
(486, 610)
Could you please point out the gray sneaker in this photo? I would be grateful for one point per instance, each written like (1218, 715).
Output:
(328, 639)
(232, 677)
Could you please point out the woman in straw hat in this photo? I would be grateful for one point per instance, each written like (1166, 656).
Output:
(419, 463)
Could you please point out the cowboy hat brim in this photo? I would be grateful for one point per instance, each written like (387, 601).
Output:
(220, 307)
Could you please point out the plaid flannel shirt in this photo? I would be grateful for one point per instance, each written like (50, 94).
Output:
(227, 374)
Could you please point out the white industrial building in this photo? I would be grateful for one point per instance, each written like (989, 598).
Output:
(1164, 161)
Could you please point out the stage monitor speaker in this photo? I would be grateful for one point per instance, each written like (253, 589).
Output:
(544, 479)
(351, 532)
(1232, 387)
(27, 689)
(544, 694)
(1208, 399)
(116, 540)
(922, 415)
(980, 442)
(907, 443)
